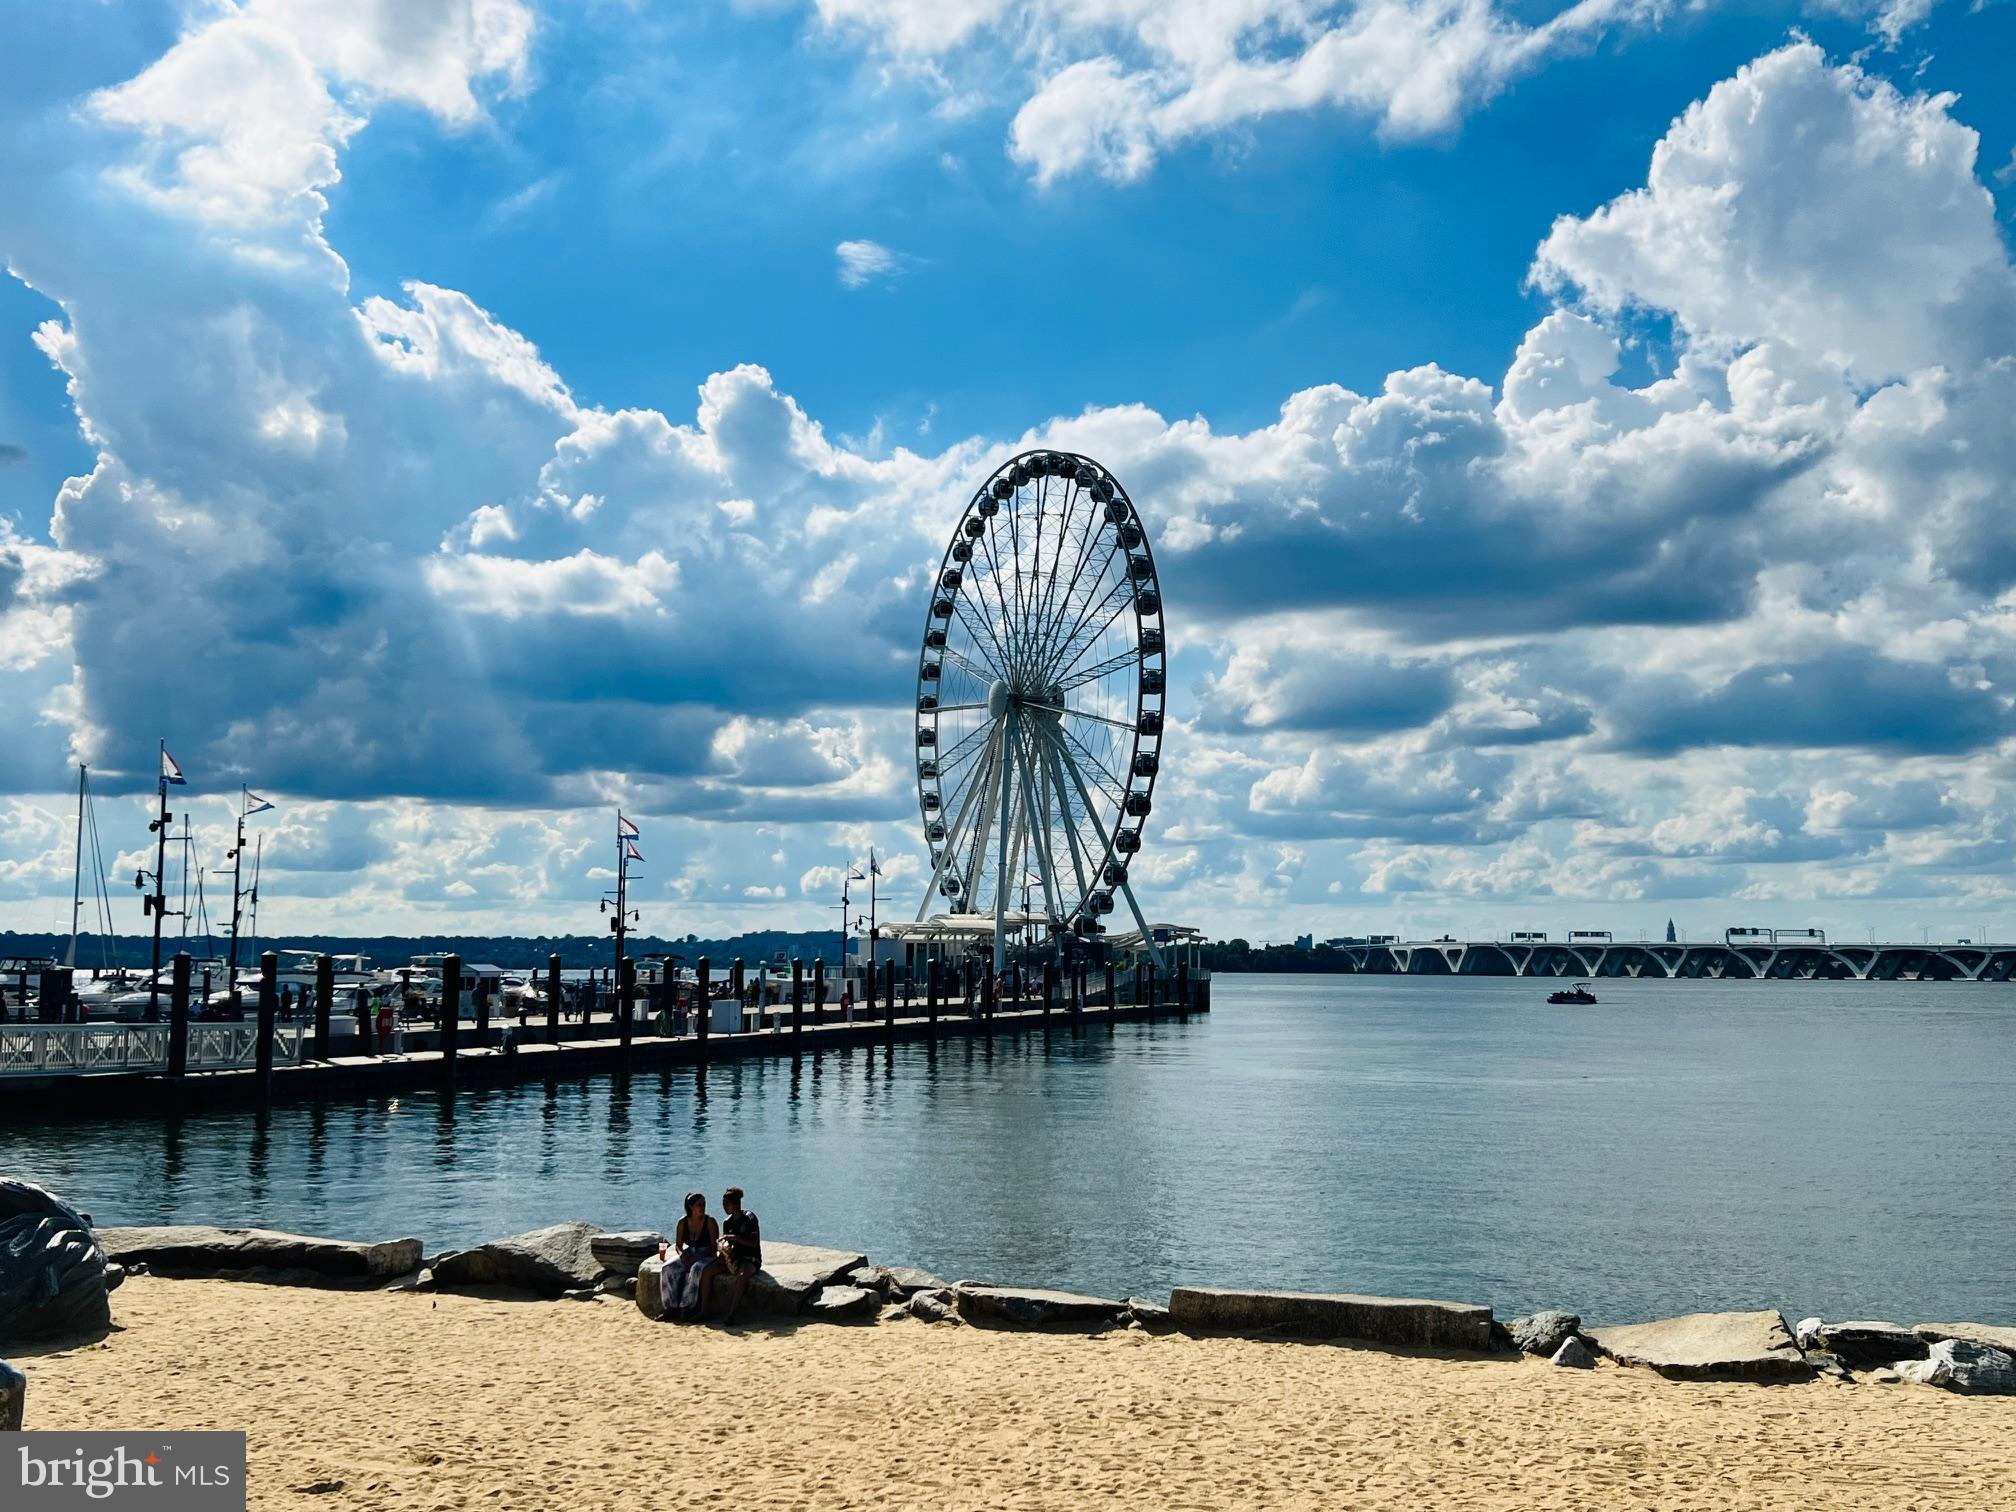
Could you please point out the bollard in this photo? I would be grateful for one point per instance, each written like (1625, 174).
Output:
(325, 993)
(889, 995)
(1049, 987)
(819, 990)
(13, 1400)
(451, 1009)
(703, 1007)
(178, 1015)
(797, 998)
(1112, 987)
(483, 1013)
(626, 1002)
(269, 1007)
(553, 999)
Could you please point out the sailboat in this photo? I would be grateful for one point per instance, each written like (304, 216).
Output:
(109, 979)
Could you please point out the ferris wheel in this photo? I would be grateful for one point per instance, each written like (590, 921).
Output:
(1040, 701)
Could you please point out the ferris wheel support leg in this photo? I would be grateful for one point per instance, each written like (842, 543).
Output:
(1084, 792)
(1001, 866)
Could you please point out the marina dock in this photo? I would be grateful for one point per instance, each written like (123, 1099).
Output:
(514, 1054)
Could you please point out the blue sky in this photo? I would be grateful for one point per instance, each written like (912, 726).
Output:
(1674, 585)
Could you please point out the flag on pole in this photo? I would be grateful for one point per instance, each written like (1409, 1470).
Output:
(873, 869)
(254, 804)
(625, 830)
(170, 772)
(630, 851)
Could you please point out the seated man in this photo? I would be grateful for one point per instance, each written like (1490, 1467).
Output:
(741, 1253)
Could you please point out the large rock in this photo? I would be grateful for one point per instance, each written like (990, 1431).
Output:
(931, 1307)
(549, 1261)
(1968, 1368)
(1031, 1306)
(1990, 1334)
(793, 1273)
(1149, 1313)
(650, 1299)
(192, 1250)
(13, 1398)
(1409, 1322)
(52, 1267)
(1574, 1354)
(1863, 1344)
(1754, 1345)
(621, 1254)
(842, 1304)
(1543, 1333)
(907, 1280)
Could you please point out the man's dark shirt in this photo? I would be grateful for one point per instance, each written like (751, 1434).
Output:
(744, 1236)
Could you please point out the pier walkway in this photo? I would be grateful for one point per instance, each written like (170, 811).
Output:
(112, 1089)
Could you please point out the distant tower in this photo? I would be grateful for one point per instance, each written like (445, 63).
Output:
(1671, 937)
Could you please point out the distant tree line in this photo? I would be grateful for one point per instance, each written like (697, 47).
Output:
(1238, 955)
(513, 952)
(523, 952)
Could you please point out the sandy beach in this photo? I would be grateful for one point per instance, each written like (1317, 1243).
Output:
(397, 1401)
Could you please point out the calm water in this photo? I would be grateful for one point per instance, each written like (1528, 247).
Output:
(1822, 1147)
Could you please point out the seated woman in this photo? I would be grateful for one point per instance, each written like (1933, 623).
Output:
(695, 1239)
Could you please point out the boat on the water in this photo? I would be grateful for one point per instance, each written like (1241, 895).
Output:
(1578, 994)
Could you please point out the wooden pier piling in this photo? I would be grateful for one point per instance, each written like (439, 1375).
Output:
(553, 999)
(1112, 986)
(269, 1010)
(178, 1015)
(451, 1009)
(889, 995)
(1049, 987)
(797, 998)
(703, 1006)
(325, 993)
(626, 1002)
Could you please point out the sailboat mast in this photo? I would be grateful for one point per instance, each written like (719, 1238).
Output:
(160, 828)
(77, 874)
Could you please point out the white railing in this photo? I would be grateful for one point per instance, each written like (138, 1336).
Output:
(81, 1049)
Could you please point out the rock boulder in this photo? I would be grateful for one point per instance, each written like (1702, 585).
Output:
(621, 1254)
(793, 1273)
(1754, 1345)
(1408, 1322)
(1958, 1365)
(1863, 1344)
(13, 1398)
(904, 1280)
(650, 1300)
(930, 1307)
(1149, 1313)
(194, 1250)
(1993, 1336)
(52, 1267)
(1543, 1333)
(1574, 1354)
(548, 1261)
(1031, 1306)
(842, 1304)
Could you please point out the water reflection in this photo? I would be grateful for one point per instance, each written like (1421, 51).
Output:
(1418, 1137)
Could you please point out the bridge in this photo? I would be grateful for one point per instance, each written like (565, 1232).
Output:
(1740, 955)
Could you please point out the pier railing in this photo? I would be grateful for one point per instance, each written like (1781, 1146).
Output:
(79, 1049)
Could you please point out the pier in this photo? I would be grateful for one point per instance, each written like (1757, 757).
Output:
(124, 1069)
